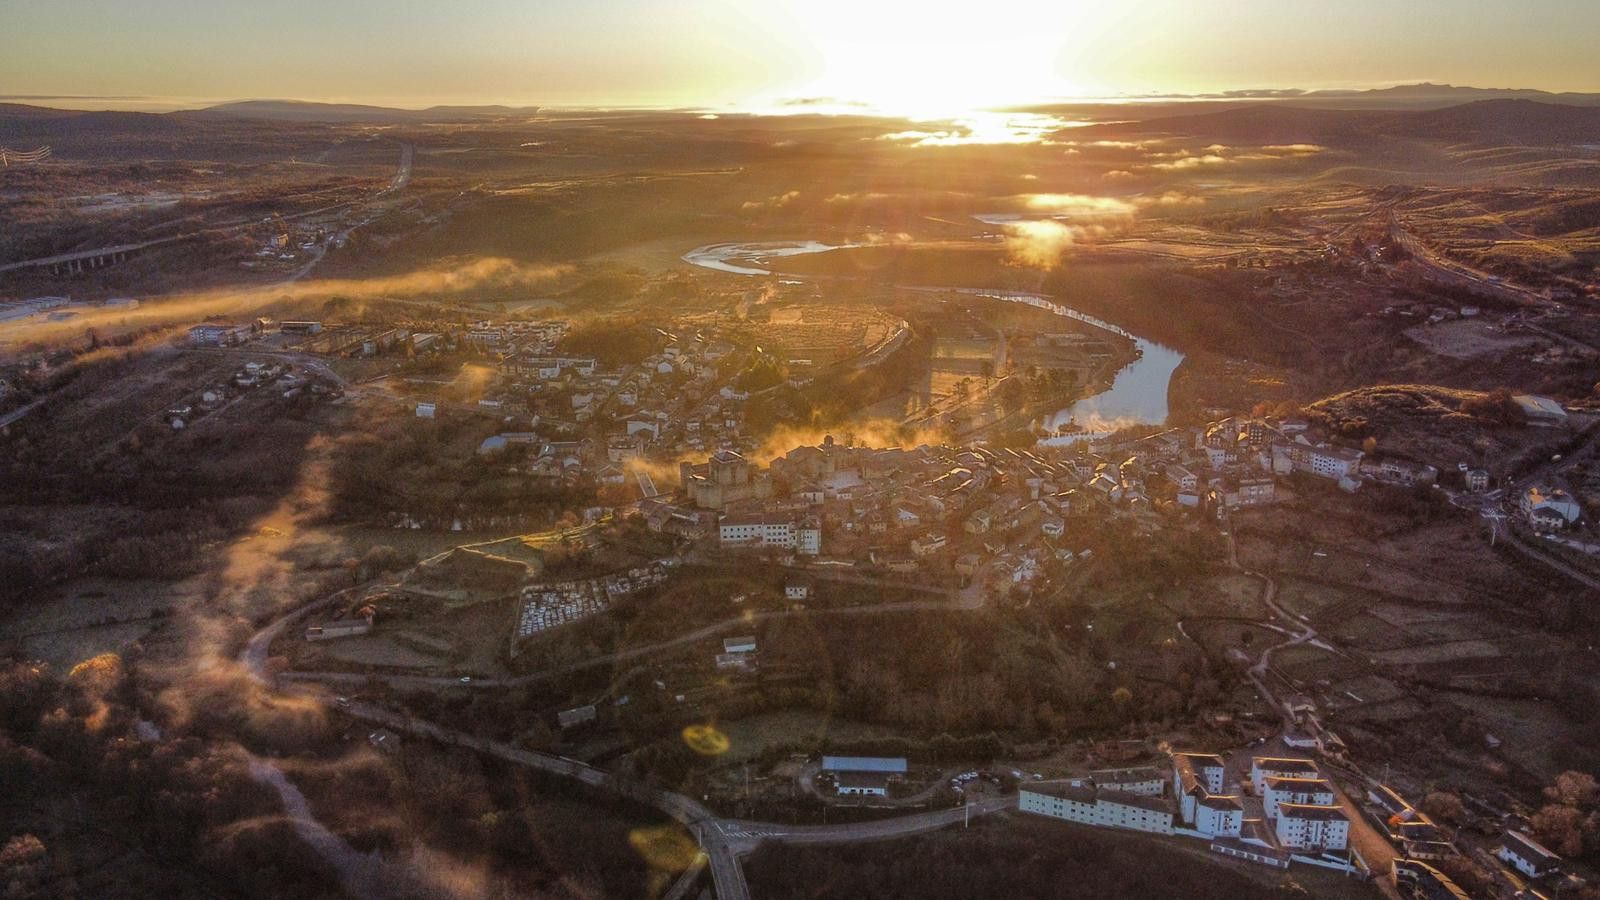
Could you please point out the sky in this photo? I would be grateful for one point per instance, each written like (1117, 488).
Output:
(932, 55)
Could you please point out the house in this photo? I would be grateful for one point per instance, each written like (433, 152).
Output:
(339, 628)
(744, 644)
(863, 775)
(1549, 508)
(1541, 412)
(1184, 479)
(928, 544)
(861, 784)
(1307, 826)
(1399, 471)
(1527, 855)
(743, 662)
(1423, 882)
(571, 718)
(426, 410)
(797, 589)
(1264, 767)
(212, 334)
(1090, 805)
(1477, 480)
(1305, 791)
(1052, 526)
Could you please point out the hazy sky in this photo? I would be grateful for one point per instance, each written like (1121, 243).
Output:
(928, 54)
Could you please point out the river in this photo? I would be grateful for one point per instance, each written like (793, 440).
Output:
(1138, 395)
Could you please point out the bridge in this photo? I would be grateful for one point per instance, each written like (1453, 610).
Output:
(81, 261)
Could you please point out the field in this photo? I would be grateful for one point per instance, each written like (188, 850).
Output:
(1435, 629)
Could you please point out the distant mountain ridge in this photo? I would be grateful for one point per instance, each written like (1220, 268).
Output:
(1501, 121)
(357, 113)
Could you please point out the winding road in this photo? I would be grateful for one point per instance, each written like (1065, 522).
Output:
(722, 841)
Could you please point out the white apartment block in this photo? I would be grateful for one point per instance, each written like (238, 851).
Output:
(1300, 826)
(758, 532)
(1090, 806)
(1264, 767)
(1304, 791)
(808, 539)
(1208, 769)
(1219, 816)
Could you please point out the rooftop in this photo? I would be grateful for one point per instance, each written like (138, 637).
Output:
(1311, 811)
(864, 764)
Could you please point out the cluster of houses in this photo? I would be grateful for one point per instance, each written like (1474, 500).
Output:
(253, 375)
(1301, 818)
(1421, 843)
(1000, 514)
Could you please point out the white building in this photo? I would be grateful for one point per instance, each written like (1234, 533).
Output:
(1091, 806)
(1219, 816)
(1334, 462)
(426, 410)
(1527, 855)
(1264, 767)
(864, 775)
(757, 531)
(1302, 826)
(1147, 781)
(808, 538)
(860, 784)
(1304, 791)
(1194, 776)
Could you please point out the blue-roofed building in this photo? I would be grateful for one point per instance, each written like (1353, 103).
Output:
(880, 764)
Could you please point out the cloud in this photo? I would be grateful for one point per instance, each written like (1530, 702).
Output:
(867, 196)
(1028, 176)
(777, 201)
(1218, 148)
(1117, 173)
(1297, 149)
(1191, 162)
(1172, 198)
(1038, 243)
(1085, 205)
(245, 302)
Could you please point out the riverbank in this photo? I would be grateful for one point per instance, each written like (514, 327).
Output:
(1136, 395)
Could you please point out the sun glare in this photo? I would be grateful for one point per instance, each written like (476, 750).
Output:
(941, 60)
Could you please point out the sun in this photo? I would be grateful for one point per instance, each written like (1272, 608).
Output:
(938, 58)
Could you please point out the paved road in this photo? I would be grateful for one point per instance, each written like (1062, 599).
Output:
(722, 841)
